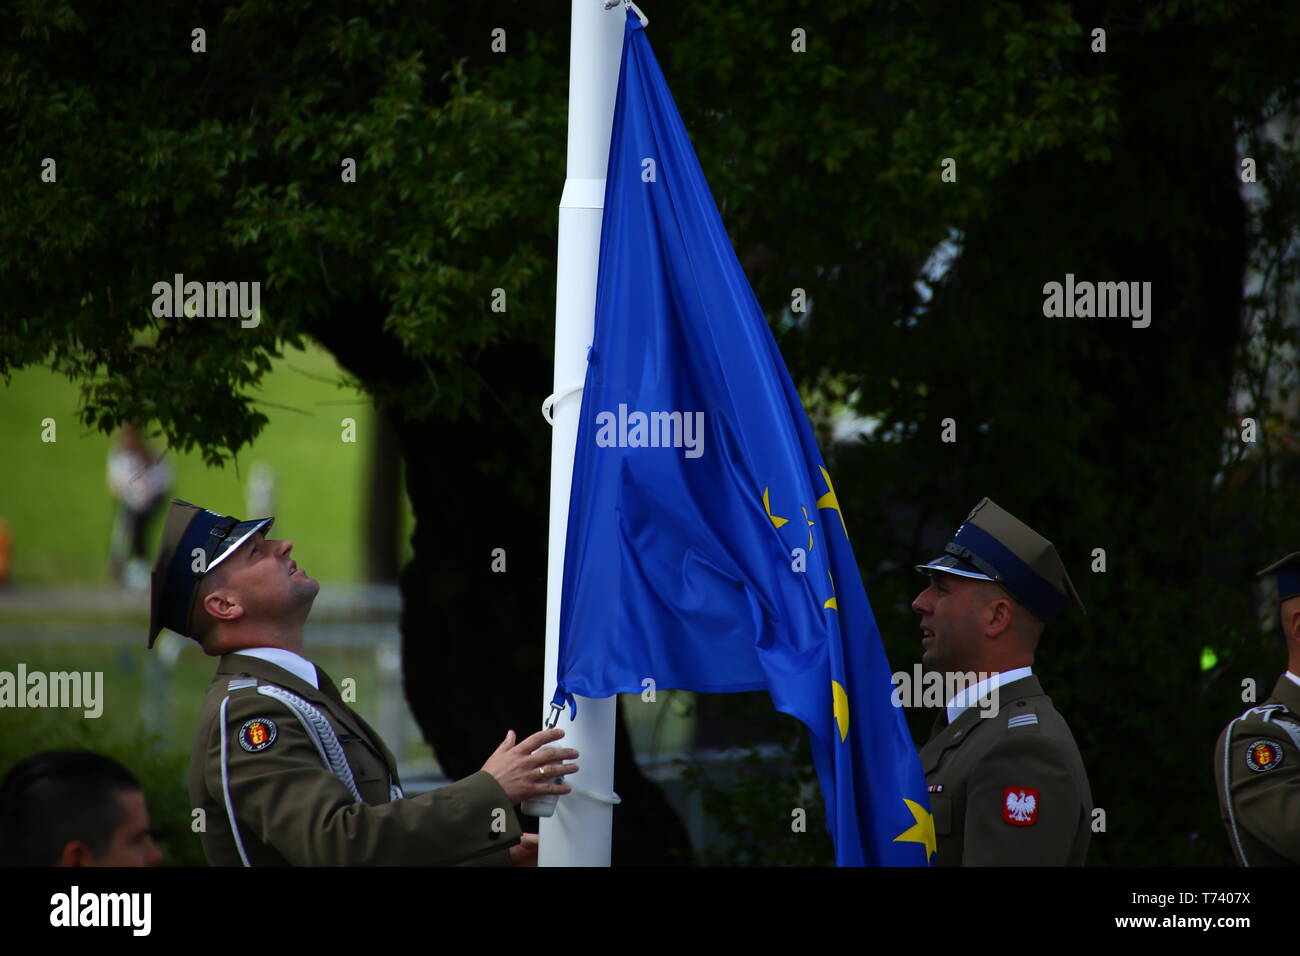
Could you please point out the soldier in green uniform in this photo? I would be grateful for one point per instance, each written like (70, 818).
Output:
(283, 770)
(1257, 757)
(1007, 784)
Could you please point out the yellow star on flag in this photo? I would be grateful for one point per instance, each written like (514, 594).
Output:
(840, 708)
(922, 831)
(829, 500)
(776, 520)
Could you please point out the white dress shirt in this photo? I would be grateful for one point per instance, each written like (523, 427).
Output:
(963, 700)
(295, 664)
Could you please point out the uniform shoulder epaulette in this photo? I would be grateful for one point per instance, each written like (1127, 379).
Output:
(1022, 714)
(1279, 715)
(1268, 713)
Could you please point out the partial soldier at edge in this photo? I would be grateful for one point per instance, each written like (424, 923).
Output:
(1257, 756)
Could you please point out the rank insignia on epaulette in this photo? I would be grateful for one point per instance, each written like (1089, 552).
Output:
(257, 734)
(935, 788)
(1263, 754)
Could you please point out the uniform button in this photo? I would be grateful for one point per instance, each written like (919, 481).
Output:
(957, 735)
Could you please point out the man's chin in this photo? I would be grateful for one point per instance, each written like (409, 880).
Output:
(307, 587)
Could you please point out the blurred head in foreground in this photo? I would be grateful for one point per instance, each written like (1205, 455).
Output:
(74, 808)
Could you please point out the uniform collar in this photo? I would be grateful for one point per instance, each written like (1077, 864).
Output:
(235, 664)
(1287, 690)
(273, 673)
(945, 736)
(295, 664)
(967, 698)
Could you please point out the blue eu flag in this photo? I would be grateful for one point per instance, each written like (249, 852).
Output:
(706, 549)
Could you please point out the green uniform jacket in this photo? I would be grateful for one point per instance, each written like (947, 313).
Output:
(1009, 789)
(1257, 772)
(273, 788)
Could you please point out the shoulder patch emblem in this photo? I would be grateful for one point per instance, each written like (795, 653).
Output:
(1020, 806)
(257, 734)
(1263, 754)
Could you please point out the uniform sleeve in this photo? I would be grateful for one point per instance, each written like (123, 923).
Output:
(283, 795)
(1022, 808)
(1265, 801)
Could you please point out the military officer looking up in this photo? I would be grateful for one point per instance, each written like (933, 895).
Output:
(1007, 784)
(283, 770)
(1257, 756)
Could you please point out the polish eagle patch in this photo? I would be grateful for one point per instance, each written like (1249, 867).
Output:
(1020, 806)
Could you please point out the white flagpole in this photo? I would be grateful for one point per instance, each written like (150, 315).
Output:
(579, 832)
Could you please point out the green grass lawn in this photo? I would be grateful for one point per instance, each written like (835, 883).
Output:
(55, 499)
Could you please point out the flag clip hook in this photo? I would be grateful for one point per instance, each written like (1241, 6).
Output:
(629, 5)
(554, 717)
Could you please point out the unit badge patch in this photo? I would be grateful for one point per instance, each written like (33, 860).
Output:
(257, 734)
(1263, 754)
(1020, 806)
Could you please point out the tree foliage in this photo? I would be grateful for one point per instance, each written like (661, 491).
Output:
(826, 164)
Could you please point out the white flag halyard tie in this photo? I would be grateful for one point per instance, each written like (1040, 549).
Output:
(613, 799)
(554, 399)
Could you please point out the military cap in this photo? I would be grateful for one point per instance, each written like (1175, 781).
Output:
(178, 570)
(993, 545)
(1287, 572)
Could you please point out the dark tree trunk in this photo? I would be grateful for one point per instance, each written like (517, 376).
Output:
(383, 502)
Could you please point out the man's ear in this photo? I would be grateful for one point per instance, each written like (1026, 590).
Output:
(1000, 617)
(76, 853)
(218, 605)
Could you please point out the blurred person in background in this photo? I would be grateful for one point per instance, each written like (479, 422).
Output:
(6, 549)
(140, 482)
